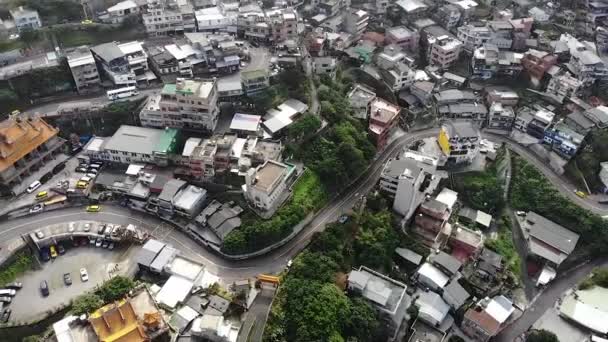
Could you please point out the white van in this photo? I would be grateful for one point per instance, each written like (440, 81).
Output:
(8, 292)
(33, 187)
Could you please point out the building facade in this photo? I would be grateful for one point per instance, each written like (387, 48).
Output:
(84, 70)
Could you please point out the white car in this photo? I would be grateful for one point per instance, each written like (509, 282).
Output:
(33, 187)
(87, 227)
(84, 275)
(39, 234)
(289, 263)
(71, 227)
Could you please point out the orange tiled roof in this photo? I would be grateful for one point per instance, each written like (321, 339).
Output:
(117, 322)
(17, 139)
(484, 320)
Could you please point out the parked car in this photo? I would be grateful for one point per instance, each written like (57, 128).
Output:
(14, 285)
(42, 195)
(111, 246)
(6, 315)
(84, 275)
(8, 292)
(343, 219)
(92, 241)
(91, 175)
(87, 227)
(37, 208)
(92, 171)
(105, 244)
(6, 299)
(101, 229)
(580, 194)
(72, 227)
(53, 251)
(99, 242)
(33, 187)
(67, 279)
(46, 177)
(60, 249)
(58, 168)
(44, 254)
(44, 288)
(81, 169)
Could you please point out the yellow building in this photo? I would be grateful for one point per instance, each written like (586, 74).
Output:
(117, 322)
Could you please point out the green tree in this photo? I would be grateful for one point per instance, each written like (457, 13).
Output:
(362, 320)
(314, 266)
(376, 240)
(86, 303)
(313, 310)
(304, 128)
(29, 36)
(115, 288)
(542, 336)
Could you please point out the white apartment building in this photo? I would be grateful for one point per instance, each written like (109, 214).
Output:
(26, 19)
(266, 185)
(324, 66)
(255, 80)
(459, 141)
(161, 21)
(390, 57)
(584, 62)
(212, 19)
(360, 98)
(444, 51)
(500, 116)
(473, 36)
(187, 104)
(117, 13)
(355, 21)
(399, 77)
(84, 70)
(283, 24)
(563, 85)
(138, 60)
(114, 64)
(402, 179)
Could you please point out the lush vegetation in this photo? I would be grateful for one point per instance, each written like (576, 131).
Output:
(599, 278)
(308, 195)
(23, 262)
(311, 304)
(304, 128)
(588, 160)
(531, 191)
(503, 245)
(290, 83)
(541, 336)
(111, 290)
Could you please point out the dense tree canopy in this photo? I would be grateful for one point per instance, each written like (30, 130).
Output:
(542, 336)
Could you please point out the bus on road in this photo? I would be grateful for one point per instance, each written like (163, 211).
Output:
(121, 93)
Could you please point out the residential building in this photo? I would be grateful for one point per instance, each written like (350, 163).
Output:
(501, 116)
(432, 277)
(360, 98)
(391, 56)
(584, 62)
(489, 62)
(26, 145)
(229, 90)
(212, 19)
(138, 61)
(132, 144)
(541, 120)
(444, 51)
(579, 122)
(490, 265)
(598, 115)
(524, 116)
(423, 91)
(432, 309)
(431, 222)
(114, 64)
(162, 204)
(595, 10)
(383, 116)
(474, 36)
(398, 77)
(324, 66)
(539, 15)
(283, 24)
(546, 240)
(25, 19)
(255, 81)
(246, 124)
(502, 33)
(265, 186)
(162, 62)
(355, 21)
(537, 63)
(165, 20)
(276, 119)
(384, 293)
(563, 139)
(84, 70)
(188, 104)
(189, 201)
(412, 9)
(563, 85)
(475, 111)
(117, 13)
(402, 179)
(330, 7)
(455, 295)
(448, 16)
(504, 95)
(454, 96)
(220, 218)
(459, 141)
(403, 37)
(448, 264)
(487, 318)
(251, 23)
(465, 242)
(182, 56)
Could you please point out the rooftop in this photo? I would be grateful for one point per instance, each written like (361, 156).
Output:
(189, 197)
(431, 305)
(123, 5)
(199, 89)
(395, 168)
(170, 189)
(19, 137)
(382, 290)
(400, 32)
(550, 233)
(141, 140)
(383, 111)
(245, 122)
(462, 129)
(447, 197)
(456, 294)
(447, 262)
(117, 322)
(108, 51)
(434, 274)
(588, 308)
(268, 175)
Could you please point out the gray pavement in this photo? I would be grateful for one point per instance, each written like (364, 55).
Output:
(28, 304)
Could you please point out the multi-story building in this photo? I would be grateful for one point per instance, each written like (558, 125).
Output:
(584, 62)
(188, 104)
(265, 186)
(330, 7)
(117, 13)
(501, 116)
(398, 77)
(324, 66)
(114, 64)
(489, 62)
(390, 56)
(355, 21)
(563, 85)
(459, 141)
(563, 139)
(360, 98)
(537, 63)
(138, 61)
(402, 179)
(132, 144)
(431, 221)
(448, 16)
(255, 81)
(444, 51)
(383, 116)
(541, 120)
(84, 70)
(251, 23)
(168, 19)
(402, 37)
(283, 24)
(162, 62)
(28, 146)
(474, 36)
(212, 19)
(502, 33)
(504, 95)
(487, 318)
(25, 19)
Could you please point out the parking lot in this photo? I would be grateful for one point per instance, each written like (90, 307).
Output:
(29, 302)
